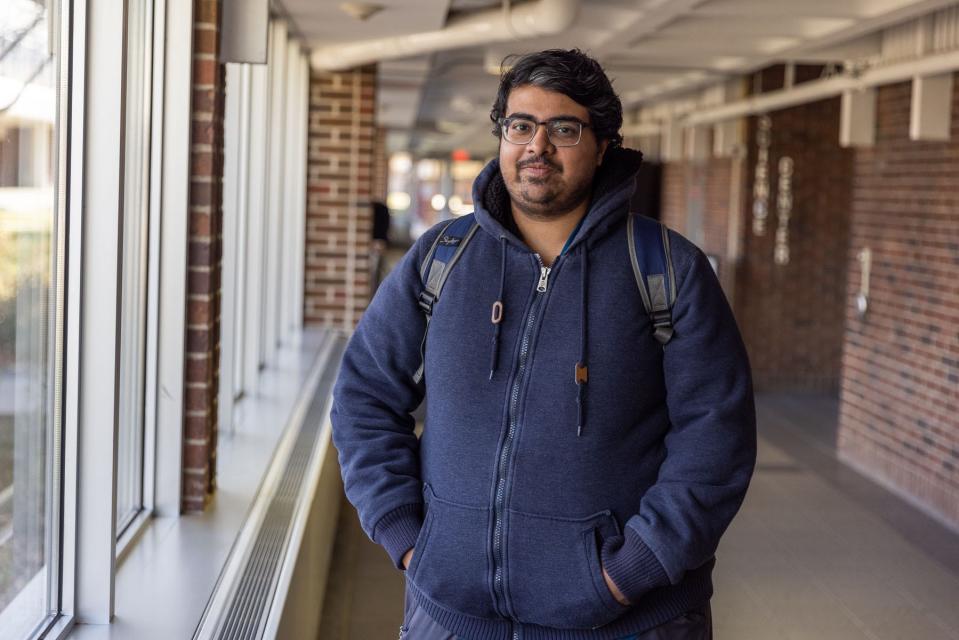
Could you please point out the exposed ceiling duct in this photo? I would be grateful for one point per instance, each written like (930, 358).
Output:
(520, 22)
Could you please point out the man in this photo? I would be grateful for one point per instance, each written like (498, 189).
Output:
(574, 476)
(379, 244)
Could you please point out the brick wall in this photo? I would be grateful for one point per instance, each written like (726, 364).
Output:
(204, 257)
(673, 212)
(339, 188)
(696, 203)
(900, 383)
(792, 315)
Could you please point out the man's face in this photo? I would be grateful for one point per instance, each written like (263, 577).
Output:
(545, 181)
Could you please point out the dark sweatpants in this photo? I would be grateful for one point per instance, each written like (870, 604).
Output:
(693, 625)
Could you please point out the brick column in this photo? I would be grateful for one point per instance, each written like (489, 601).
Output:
(791, 315)
(339, 189)
(381, 166)
(696, 203)
(204, 257)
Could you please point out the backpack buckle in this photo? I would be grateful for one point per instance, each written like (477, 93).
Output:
(426, 301)
(661, 318)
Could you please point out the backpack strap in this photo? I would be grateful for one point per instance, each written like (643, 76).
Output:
(434, 271)
(653, 267)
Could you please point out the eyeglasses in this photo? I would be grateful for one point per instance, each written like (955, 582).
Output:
(561, 132)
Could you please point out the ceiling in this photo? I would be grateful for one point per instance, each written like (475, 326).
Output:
(650, 48)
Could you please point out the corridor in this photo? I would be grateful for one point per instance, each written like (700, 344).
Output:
(817, 553)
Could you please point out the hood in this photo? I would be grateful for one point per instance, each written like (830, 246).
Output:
(613, 186)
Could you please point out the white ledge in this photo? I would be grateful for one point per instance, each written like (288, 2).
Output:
(167, 578)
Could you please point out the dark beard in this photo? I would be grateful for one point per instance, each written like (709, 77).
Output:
(550, 205)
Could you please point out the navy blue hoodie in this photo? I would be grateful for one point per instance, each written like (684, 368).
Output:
(524, 484)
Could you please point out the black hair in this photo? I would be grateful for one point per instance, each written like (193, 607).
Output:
(572, 73)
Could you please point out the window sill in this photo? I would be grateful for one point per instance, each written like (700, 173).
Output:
(167, 577)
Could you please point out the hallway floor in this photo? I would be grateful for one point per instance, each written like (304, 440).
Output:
(817, 552)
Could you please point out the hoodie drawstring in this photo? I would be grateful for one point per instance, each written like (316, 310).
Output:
(582, 371)
(497, 314)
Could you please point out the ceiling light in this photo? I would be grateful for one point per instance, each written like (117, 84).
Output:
(361, 10)
(398, 201)
(462, 104)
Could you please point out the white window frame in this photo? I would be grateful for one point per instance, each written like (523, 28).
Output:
(256, 208)
(91, 391)
(301, 149)
(46, 584)
(172, 141)
(147, 428)
(275, 214)
(235, 211)
(90, 545)
(291, 198)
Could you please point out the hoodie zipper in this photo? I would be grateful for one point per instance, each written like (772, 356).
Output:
(503, 465)
(543, 275)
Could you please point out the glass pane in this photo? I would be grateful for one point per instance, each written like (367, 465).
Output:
(28, 108)
(136, 198)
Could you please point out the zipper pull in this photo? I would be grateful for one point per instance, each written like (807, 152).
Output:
(543, 279)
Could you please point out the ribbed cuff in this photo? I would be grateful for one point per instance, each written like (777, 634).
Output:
(397, 531)
(632, 565)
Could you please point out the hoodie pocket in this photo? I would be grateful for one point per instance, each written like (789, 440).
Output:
(451, 565)
(423, 537)
(554, 571)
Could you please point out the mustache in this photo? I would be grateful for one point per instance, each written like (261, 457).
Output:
(540, 160)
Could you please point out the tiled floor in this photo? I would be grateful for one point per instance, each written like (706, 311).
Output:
(816, 552)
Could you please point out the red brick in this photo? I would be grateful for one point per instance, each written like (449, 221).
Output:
(204, 100)
(200, 253)
(203, 132)
(202, 163)
(198, 369)
(197, 340)
(198, 311)
(200, 223)
(205, 41)
(204, 71)
(199, 281)
(206, 11)
(197, 427)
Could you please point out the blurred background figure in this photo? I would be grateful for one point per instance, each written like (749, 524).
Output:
(380, 244)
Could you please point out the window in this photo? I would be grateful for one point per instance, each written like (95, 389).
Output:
(136, 224)
(30, 297)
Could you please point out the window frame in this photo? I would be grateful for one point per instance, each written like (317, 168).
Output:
(92, 551)
(258, 149)
(145, 364)
(151, 360)
(275, 216)
(49, 582)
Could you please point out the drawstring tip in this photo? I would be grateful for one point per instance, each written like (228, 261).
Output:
(579, 430)
(494, 359)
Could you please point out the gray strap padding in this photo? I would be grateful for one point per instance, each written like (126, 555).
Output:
(439, 271)
(652, 288)
(657, 292)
